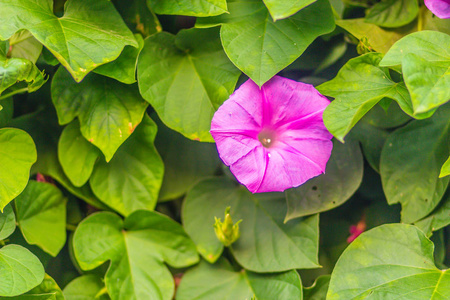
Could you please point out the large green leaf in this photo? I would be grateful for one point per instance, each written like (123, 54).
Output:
(75, 38)
(188, 80)
(76, 155)
(220, 282)
(410, 164)
(379, 39)
(393, 261)
(138, 16)
(20, 270)
(41, 215)
(24, 45)
(393, 13)
(260, 47)
(185, 162)
(137, 249)
(47, 290)
(86, 287)
(123, 68)
(342, 177)
(7, 222)
(267, 244)
(445, 170)
(13, 70)
(438, 219)
(17, 154)
(283, 9)
(197, 8)
(108, 110)
(132, 179)
(318, 291)
(358, 87)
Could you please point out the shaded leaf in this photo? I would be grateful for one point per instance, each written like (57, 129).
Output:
(6, 111)
(76, 155)
(410, 164)
(85, 287)
(48, 289)
(318, 291)
(7, 222)
(17, 154)
(264, 235)
(41, 216)
(75, 38)
(282, 9)
(187, 81)
(24, 45)
(399, 265)
(137, 249)
(20, 270)
(393, 13)
(219, 281)
(139, 17)
(108, 111)
(260, 47)
(342, 177)
(132, 179)
(445, 170)
(438, 219)
(197, 8)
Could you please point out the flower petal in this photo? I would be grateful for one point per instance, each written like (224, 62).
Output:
(441, 8)
(288, 100)
(232, 147)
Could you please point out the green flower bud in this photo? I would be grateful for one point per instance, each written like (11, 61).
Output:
(227, 232)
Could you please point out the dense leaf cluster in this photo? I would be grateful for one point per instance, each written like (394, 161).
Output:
(108, 171)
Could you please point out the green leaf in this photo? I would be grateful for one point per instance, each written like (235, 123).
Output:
(342, 177)
(264, 235)
(187, 81)
(7, 222)
(75, 38)
(318, 291)
(20, 270)
(429, 45)
(108, 110)
(378, 38)
(132, 179)
(393, 261)
(6, 111)
(123, 68)
(438, 219)
(260, 47)
(412, 154)
(85, 287)
(219, 282)
(283, 9)
(139, 17)
(41, 215)
(358, 87)
(185, 162)
(13, 70)
(76, 155)
(431, 22)
(427, 82)
(393, 13)
(48, 289)
(24, 45)
(17, 154)
(445, 170)
(197, 8)
(137, 249)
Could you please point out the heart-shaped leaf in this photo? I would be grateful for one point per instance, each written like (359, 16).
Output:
(132, 179)
(392, 261)
(7, 222)
(76, 155)
(41, 215)
(197, 8)
(74, 38)
(17, 154)
(137, 249)
(108, 110)
(263, 233)
(20, 270)
(342, 177)
(410, 154)
(260, 47)
(187, 81)
(220, 282)
(393, 13)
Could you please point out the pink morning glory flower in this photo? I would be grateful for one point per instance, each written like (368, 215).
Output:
(273, 138)
(441, 8)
